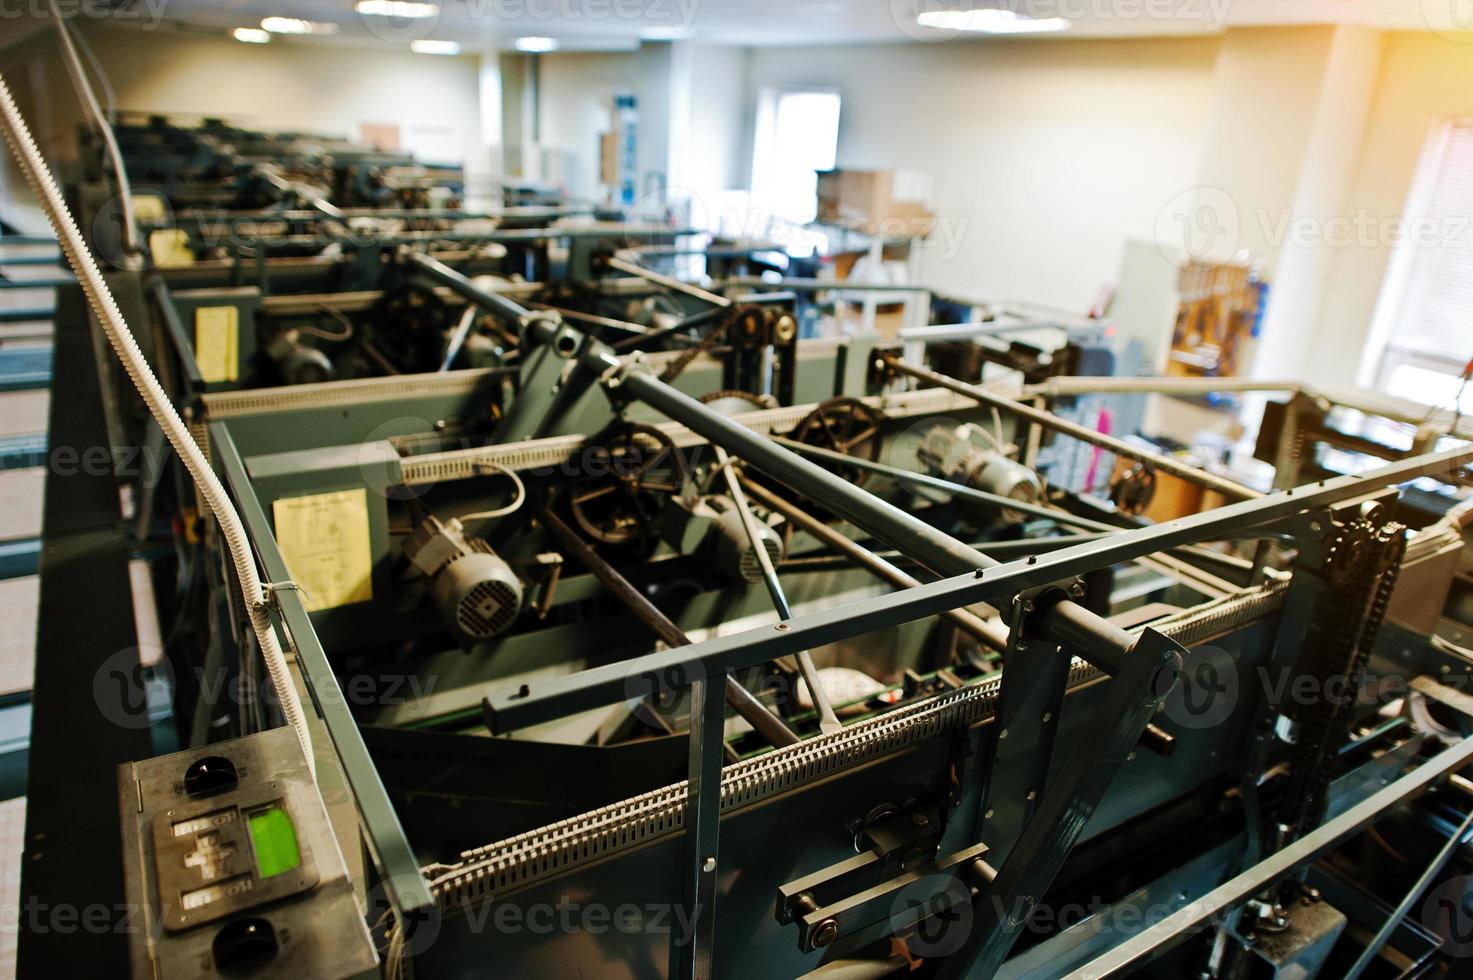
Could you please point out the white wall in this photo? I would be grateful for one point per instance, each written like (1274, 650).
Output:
(718, 144)
(327, 88)
(1046, 155)
(576, 92)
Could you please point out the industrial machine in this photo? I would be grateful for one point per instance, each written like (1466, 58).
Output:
(785, 660)
(661, 640)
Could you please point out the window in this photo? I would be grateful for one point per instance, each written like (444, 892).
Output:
(1422, 334)
(797, 134)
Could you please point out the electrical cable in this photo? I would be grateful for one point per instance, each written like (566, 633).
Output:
(105, 309)
(345, 334)
(521, 495)
(104, 130)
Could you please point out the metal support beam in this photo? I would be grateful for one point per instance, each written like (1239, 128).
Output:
(948, 486)
(1148, 675)
(669, 282)
(559, 696)
(441, 274)
(973, 625)
(692, 955)
(741, 700)
(1166, 464)
(828, 722)
(1177, 927)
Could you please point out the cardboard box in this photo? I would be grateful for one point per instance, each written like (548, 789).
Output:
(876, 202)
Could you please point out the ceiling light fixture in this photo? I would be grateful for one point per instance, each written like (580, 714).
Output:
(295, 25)
(536, 45)
(990, 20)
(399, 9)
(425, 46)
(663, 32)
(251, 35)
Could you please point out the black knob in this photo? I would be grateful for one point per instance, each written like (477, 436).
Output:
(244, 945)
(212, 774)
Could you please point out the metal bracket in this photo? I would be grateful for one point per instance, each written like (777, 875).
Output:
(861, 892)
(1149, 673)
(1034, 680)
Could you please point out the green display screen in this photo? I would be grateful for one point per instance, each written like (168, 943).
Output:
(275, 842)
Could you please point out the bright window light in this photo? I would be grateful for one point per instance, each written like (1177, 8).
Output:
(399, 9)
(988, 20)
(434, 47)
(295, 25)
(251, 35)
(536, 44)
(797, 134)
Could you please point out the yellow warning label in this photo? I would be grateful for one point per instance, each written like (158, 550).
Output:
(216, 342)
(324, 541)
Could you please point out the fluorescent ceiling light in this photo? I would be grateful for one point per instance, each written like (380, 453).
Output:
(434, 47)
(536, 44)
(663, 32)
(251, 35)
(295, 25)
(401, 9)
(989, 20)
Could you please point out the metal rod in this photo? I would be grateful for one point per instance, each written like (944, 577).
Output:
(461, 285)
(457, 338)
(1066, 385)
(636, 329)
(669, 282)
(741, 700)
(948, 486)
(973, 625)
(598, 686)
(1228, 488)
(898, 528)
(880, 518)
(1394, 920)
(800, 284)
(828, 722)
(1179, 926)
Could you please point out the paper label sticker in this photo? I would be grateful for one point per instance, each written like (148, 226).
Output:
(170, 248)
(216, 342)
(325, 542)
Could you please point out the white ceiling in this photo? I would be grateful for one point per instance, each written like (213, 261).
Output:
(605, 24)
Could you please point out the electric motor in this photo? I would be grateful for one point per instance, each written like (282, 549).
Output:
(475, 590)
(969, 456)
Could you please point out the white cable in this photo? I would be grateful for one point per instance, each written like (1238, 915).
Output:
(520, 491)
(105, 308)
(104, 130)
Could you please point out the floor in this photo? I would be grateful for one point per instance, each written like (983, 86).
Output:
(22, 413)
(12, 834)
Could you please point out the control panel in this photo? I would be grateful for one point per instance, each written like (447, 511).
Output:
(232, 865)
